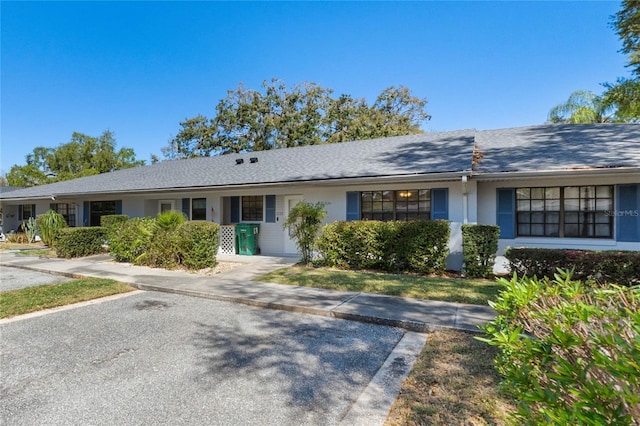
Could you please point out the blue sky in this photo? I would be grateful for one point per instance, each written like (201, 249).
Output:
(139, 68)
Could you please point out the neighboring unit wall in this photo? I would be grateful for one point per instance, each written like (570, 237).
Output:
(487, 212)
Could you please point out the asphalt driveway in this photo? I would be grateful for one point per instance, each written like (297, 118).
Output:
(16, 278)
(157, 358)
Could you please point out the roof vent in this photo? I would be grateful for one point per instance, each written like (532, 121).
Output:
(253, 160)
(239, 161)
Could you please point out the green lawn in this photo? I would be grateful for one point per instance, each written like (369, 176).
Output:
(472, 291)
(31, 299)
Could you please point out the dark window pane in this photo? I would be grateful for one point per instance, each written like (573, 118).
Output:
(199, 209)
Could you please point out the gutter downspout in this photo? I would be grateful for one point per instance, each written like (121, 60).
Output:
(465, 202)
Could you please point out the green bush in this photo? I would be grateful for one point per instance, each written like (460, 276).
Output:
(31, 229)
(130, 239)
(479, 248)
(110, 220)
(198, 244)
(619, 267)
(304, 221)
(416, 246)
(170, 220)
(569, 352)
(162, 251)
(50, 224)
(78, 242)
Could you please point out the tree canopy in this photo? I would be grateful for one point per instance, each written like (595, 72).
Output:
(82, 156)
(305, 114)
(582, 107)
(620, 101)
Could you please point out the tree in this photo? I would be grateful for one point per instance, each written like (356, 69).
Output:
(624, 95)
(581, 108)
(626, 23)
(304, 221)
(82, 156)
(620, 102)
(306, 114)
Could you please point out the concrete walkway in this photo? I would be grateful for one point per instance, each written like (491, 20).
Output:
(237, 286)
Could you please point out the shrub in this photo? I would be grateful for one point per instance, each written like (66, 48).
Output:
(130, 239)
(304, 221)
(78, 242)
(107, 221)
(49, 224)
(170, 220)
(568, 351)
(416, 246)
(198, 244)
(162, 250)
(31, 229)
(479, 248)
(619, 267)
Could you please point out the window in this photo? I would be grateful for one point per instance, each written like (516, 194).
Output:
(571, 211)
(252, 208)
(198, 209)
(99, 209)
(396, 205)
(26, 211)
(68, 211)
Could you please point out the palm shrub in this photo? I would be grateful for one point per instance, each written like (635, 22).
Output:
(569, 351)
(304, 221)
(49, 225)
(170, 220)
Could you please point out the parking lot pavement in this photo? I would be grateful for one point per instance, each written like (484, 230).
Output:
(157, 358)
(15, 278)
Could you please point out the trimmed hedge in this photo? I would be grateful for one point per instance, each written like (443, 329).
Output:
(198, 243)
(415, 246)
(479, 248)
(568, 351)
(79, 242)
(619, 267)
(110, 220)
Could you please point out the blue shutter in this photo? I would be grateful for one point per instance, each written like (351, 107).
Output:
(185, 207)
(118, 206)
(627, 213)
(506, 212)
(235, 209)
(52, 206)
(270, 208)
(86, 216)
(440, 203)
(353, 206)
(20, 213)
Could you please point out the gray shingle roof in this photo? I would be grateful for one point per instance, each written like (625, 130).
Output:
(423, 154)
(558, 147)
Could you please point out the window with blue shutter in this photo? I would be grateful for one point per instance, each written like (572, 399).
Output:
(440, 203)
(270, 208)
(353, 206)
(86, 213)
(185, 207)
(627, 213)
(118, 206)
(235, 209)
(506, 212)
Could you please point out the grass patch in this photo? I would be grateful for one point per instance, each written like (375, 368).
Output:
(31, 299)
(39, 252)
(453, 382)
(472, 291)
